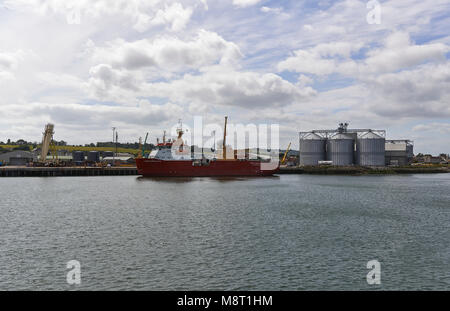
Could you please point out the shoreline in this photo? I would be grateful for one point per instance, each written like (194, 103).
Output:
(20, 171)
(359, 170)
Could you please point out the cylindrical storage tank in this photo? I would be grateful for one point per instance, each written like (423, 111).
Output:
(340, 149)
(312, 149)
(78, 156)
(370, 150)
(93, 156)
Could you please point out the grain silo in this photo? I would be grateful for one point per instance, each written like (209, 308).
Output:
(370, 149)
(312, 149)
(340, 149)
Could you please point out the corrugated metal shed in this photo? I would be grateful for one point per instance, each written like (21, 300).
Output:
(17, 157)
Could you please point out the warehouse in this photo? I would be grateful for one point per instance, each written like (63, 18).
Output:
(17, 158)
(399, 152)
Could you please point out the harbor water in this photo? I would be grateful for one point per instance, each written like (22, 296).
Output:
(289, 232)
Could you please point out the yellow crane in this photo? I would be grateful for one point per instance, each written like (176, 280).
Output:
(285, 154)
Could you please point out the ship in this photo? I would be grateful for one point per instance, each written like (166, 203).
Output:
(163, 162)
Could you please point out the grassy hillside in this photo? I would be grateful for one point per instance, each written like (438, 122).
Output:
(76, 148)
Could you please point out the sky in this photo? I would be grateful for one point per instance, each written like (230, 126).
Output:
(141, 65)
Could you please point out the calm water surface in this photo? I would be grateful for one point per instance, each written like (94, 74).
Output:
(293, 232)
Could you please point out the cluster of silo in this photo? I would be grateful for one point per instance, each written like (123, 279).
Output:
(342, 148)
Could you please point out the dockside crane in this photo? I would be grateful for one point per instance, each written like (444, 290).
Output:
(143, 146)
(285, 154)
(46, 141)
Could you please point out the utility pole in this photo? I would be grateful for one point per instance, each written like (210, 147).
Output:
(117, 138)
(114, 135)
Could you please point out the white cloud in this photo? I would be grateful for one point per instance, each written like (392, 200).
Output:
(398, 52)
(421, 92)
(76, 118)
(123, 67)
(168, 53)
(245, 3)
(225, 87)
(323, 59)
(436, 127)
(304, 80)
(141, 14)
(10, 60)
(266, 9)
(174, 15)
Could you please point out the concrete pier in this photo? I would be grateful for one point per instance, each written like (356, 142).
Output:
(18, 171)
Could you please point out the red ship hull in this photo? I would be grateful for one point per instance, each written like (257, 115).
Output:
(186, 168)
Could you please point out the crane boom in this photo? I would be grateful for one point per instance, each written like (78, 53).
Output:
(286, 153)
(143, 146)
(46, 140)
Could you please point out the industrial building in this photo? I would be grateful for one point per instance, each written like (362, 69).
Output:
(17, 158)
(345, 147)
(399, 152)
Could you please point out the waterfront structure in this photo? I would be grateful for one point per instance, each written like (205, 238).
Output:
(93, 156)
(312, 149)
(399, 152)
(370, 149)
(47, 138)
(118, 160)
(78, 157)
(342, 147)
(17, 158)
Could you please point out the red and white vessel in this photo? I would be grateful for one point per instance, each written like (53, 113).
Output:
(163, 162)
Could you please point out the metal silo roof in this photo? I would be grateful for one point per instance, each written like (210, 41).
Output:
(313, 136)
(370, 135)
(341, 136)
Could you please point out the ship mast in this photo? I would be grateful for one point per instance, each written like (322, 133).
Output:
(180, 129)
(225, 139)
